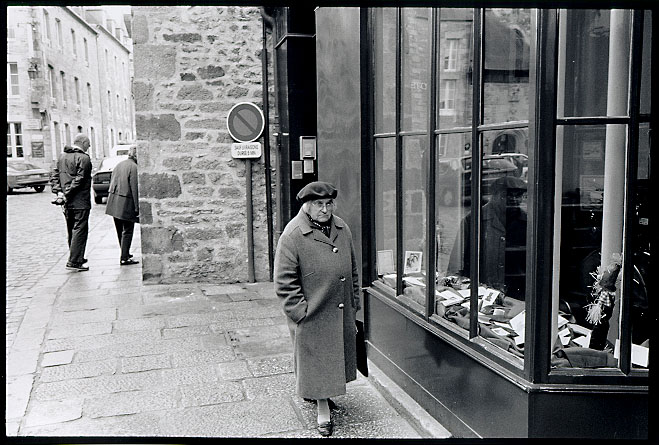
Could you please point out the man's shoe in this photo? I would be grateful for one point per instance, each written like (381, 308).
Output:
(84, 260)
(128, 262)
(77, 267)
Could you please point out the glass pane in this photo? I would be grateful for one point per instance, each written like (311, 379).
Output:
(640, 248)
(415, 186)
(593, 62)
(455, 68)
(452, 231)
(385, 210)
(591, 227)
(506, 69)
(385, 69)
(415, 54)
(646, 66)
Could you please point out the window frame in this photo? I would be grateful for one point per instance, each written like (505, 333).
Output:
(13, 80)
(13, 136)
(541, 126)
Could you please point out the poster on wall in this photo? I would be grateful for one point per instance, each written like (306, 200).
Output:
(412, 261)
(385, 262)
(37, 149)
(592, 191)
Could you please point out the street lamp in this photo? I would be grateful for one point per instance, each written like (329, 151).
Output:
(33, 71)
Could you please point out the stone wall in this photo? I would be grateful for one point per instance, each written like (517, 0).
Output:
(192, 64)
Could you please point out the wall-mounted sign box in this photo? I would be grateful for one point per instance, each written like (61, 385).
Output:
(308, 147)
(246, 150)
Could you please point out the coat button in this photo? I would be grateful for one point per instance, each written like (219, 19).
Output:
(341, 306)
(335, 250)
(343, 278)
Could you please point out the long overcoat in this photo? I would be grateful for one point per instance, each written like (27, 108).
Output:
(317, 280)
(123, 194)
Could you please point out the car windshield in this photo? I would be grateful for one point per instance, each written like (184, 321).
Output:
(22, 166)
(110, 163)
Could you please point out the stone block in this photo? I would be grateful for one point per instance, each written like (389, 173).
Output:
(138, 324)
(236, 370)
(21, 362)
(78, 371)
(188, 37)
(270, 386)
(272, 365)
(204, 234)
(178, 163)
(190, 375)
(194, 92)
(143, 93)
(144, 363)
(210, 72)
(188, 76)
(221, 392)
(79, 329)
(140, 29)
(154, 62)
(17, 395)
(130, 403)
(206, 123)
(191, 136)
(194, 178)
(146, 215)
(80, 388)
(57, 358)
(54, 412)
(162, 127)
(159, 185)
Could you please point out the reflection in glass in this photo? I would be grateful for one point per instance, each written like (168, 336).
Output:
(385, 208)
(584, 341)
(455, 68)
(384, 55)
(595, 47)
(415, 54)
(415, 159)
(646, 66)
(506, 67)
(640, 248)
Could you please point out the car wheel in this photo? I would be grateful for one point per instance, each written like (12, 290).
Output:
(98, 199)
(39, 188)
(448, 197)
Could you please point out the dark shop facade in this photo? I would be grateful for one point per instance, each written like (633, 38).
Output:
(495, 167)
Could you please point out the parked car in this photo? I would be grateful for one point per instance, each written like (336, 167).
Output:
(454, 176)
(101, 177)
(22, 174)
(122, 148)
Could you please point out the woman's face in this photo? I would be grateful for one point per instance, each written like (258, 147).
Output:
(321, 209)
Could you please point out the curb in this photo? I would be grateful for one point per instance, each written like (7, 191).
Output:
(426, 425)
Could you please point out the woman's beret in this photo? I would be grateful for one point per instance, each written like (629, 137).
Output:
(317, 190)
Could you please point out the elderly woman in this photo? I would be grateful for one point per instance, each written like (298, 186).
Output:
(316, 278)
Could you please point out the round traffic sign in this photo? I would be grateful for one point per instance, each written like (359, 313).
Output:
(245, 122)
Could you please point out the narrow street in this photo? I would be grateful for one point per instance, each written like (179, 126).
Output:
(98, 354)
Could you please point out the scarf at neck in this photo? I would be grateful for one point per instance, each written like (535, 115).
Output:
(325, 227)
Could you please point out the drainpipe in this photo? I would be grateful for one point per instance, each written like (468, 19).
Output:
(268, 21)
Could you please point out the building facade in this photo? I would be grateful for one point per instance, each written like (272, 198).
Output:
(494, 166)
(75, 77)
(204, 214)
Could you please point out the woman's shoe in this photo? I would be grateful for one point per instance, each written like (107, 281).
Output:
(325, 429)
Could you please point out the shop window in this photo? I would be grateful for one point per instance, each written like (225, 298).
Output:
(408, 253)
(60, 38)
(14, 140)
(602, 226)
(415, 68)
(12, 79)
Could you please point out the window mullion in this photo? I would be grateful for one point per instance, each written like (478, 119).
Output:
(475, 170)
(399, 156)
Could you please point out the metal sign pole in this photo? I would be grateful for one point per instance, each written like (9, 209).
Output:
(250, 228)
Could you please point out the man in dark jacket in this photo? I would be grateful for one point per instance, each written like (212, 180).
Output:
(123, 204)
(71, 179)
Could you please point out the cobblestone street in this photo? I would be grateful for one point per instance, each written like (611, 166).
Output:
(97, 353)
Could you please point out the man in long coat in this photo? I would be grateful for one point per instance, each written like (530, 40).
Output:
(316, 277)
(123, 204)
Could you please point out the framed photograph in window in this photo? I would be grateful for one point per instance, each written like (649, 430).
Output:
(412, 261)
(385, 262)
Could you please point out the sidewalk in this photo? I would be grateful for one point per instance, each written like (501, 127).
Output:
(100, 354)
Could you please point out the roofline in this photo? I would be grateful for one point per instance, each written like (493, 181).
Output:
(105, 31)
(78, 18)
